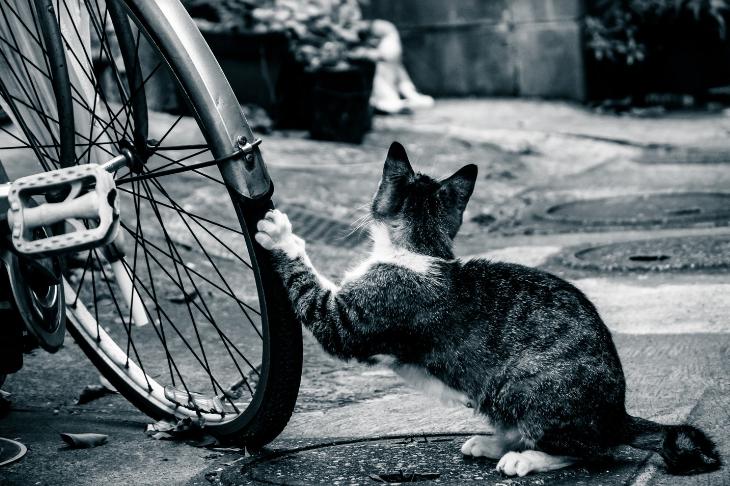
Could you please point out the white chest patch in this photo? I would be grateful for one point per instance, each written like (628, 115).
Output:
(385, 252)
(431, 386)
(419, 379)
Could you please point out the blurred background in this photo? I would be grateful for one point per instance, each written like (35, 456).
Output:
(601, 131)
(310, 64)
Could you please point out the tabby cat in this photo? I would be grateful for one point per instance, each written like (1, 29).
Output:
(523, 347)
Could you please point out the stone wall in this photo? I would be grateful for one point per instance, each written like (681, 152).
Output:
(491, 47)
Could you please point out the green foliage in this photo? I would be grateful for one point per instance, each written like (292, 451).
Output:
(615, 30)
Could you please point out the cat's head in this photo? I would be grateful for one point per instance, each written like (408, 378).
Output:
(419, 212)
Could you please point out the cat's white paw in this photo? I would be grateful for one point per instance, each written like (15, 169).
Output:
(482, 446)
(275, 233)
(525, 462)
(515, 464)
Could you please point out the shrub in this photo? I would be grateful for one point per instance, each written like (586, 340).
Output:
(616, 28)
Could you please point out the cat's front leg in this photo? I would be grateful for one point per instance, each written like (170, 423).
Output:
(320, 305)
(275, 233)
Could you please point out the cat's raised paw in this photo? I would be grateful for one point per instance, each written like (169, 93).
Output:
(275, 233)
(482, 446)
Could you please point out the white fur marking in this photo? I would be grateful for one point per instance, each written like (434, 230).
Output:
(525, 462)
(429, 385)
(385, 252)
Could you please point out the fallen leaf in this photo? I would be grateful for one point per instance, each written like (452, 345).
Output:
(91, 393)
(5, 401)
(161, 436)
(186, 298)
(161, 426)
(188, 430)
(229, 464)
(84, 441)
(206, 441)
(106, 384)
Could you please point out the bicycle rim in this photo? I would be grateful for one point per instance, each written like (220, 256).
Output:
(205, 350)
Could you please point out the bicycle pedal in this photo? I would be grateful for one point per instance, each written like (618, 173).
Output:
(90, 207)
(194, 401)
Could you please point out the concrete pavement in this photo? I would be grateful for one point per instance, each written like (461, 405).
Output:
(671, 329)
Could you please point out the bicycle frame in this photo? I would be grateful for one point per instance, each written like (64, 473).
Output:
(168, 27)
(172, 29)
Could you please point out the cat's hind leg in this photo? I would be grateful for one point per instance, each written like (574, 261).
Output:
(522, 463)
(494, 446)
(484, 446)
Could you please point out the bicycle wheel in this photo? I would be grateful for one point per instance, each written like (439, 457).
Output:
(201, 328)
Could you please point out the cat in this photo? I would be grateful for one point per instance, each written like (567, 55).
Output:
(526, 349)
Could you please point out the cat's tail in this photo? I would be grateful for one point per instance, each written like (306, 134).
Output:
(684, 448)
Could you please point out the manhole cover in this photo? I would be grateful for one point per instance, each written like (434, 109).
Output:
(655, 255)
(419, 459)
(650, 210)
(685, 155)
(313, 226)
(10, 451)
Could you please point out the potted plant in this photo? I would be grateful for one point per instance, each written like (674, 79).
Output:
(251, 58)
(327, 85)
(641, 47)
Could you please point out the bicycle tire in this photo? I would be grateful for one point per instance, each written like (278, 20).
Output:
(173, 35)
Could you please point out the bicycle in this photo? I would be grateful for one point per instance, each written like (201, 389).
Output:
(122, 236)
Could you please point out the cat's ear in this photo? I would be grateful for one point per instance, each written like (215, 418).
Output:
(459, 187)
(396, 173)
(396, 163)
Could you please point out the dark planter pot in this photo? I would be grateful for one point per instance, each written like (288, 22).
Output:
(295, 90)
(683, 57)
(340, 103)
(253, 65)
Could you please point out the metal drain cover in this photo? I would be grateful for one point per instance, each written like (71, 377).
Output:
(651, 210)
(655, 255)
(313, 226)
(418, 459)
(10, 451)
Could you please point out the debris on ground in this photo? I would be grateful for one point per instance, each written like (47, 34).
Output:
(188, 430)
(93, 392)
(4, 402)
(185, 298)
(404, 477)
(106, 384)
(85, 440)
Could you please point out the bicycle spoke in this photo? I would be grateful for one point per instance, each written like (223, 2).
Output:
(29, 79)
(181, 288)
(207, 312)
(121, 316)
(178, 332)
(196, 217)
(196, 273)
(35, 110)
(206, 336)
(138, 209)
(205, 252)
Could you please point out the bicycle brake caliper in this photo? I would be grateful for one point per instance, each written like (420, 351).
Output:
(90, 207)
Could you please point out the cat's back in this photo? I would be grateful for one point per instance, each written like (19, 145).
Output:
(503, 276)
(516, 292)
